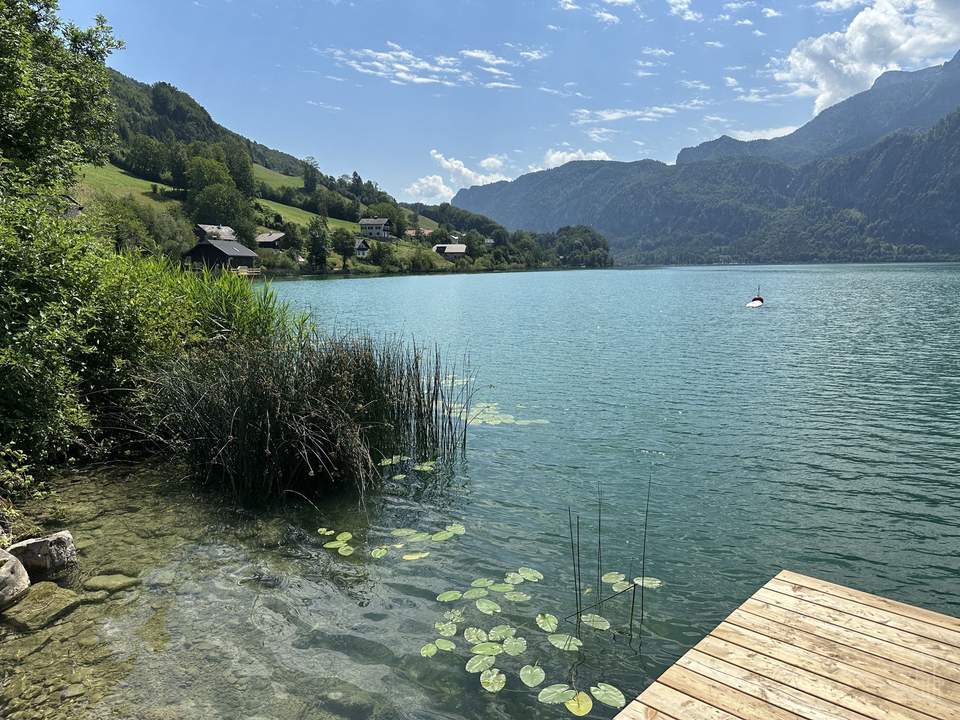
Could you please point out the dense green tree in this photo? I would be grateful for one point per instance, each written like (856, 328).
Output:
(345, 244)
(311, 176)
(147, 158)
(202, 172)
(179, 163)
(223, 204)
(238, 162)
(317, 239)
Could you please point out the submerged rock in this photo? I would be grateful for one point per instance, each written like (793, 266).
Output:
(46, 603)
(14, 581)
(109, 583)
(46, 556)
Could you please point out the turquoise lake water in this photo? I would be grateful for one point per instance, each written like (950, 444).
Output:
(820, 434)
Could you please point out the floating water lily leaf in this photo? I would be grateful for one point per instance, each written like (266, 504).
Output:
(621, 586)
(474, 635)
(426, 467)
(428, 650)
(580, 705)
(492, 680)
(487, 648)
(482, 583)
(612, 577)
(514, 578)
(379, 552)
(345, 536)
(398, 546)
(449, 596)
(324, 531)
(501, 587)
(532, 675)
(333, 544)
(651, 583)
(595, 621)
(487, 607)
(530, 574)
(345, 550)
(456, 529)
(547, 622)
(441, 536)
(444, 644)
(556, 694)
(479, 663)
(515, 646)
(415, 556)
(387, 462)
(474, 593)
(418, 537)
(565, 642)
(447, 629)
(399, 477)
(501, 632)
(454, 615)
(517, 596)
(403, 532)
(608, 695)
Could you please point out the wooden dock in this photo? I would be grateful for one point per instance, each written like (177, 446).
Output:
(805, 649)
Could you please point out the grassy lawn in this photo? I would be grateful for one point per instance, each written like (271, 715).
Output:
(303, 217)
(114, 181)
(274, 179)
(425, 222)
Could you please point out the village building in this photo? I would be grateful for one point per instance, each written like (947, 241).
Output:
(215, 232)
(270, 240)
(413, 232)
(362, 248)
(218, 248)
(376, 227)
(451, 251)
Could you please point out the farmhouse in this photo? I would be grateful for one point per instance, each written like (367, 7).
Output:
(270, 240)
(451, 251)
(376, 227)
(362, 248)
(222, 254)
(215, 232)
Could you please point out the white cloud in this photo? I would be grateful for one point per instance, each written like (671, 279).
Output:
(533, 55)
(731, 82)
(713, 44)
(619, 2)
(485, 56)
(605, 17)
(498, 85)
(323, 105)
(886, 35)
(715, 119)
(770, 13)
(429, 189)
(582, 116)
(737, 6)
(744, 22)
(400, 66)
(683, 10)
(838, 5)
(553, 28)
(765, 134)
(460, 174)
(556, 157)
(601, 134)
(695, 84)
(656, 52)
(567, 5)
(494, 162)
(759, 33)
(495, 71)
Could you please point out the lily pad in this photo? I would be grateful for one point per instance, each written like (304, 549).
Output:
(334, 544)
(474, 635)
(482, 582)
(501, 587)
(501, 632)
(379, 552)
(595, 621)
(517, 596)
(403, 532)
(447, 629)
(492, 680)
(345, 536)
(426, 467)
(418, 537)
(326, 531)
(444, 644)
(547, 622)
(556, 694)
(580, 705)
(515, 646)
(530, 574)
(566, 642)
(487, 607)
(613, 577)
(532, 675)
(345, 550)
(449, 596)
(441, 536)
(608, 695)
(513, 578)
(479, 663)
(398, 477)
(487, 648)
(650, 583)
(428, 650)
(454, 615)
(456, 529)
(621, 586)
(474, 593)
(415, 556)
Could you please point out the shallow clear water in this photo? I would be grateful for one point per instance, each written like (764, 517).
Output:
(820, 434)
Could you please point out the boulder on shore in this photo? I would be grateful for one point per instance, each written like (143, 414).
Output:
(46, 556)
(46, 603)
(14, 581)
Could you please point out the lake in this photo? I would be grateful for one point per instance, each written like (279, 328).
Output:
(820, 434)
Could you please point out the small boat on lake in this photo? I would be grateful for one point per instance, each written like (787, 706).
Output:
(757, 301)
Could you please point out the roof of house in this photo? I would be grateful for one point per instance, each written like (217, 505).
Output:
(375, 221)
(451, 248)
(269, 237)
(224, 232)
(361, 243)
(228, 247)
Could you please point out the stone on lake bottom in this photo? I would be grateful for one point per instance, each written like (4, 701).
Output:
(45, 556)
(14, 581)
(109, 583)
(46, 603)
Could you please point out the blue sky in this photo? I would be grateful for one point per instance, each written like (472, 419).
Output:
(428, 96)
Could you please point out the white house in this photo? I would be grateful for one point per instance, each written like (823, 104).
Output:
(362, 248)
(376, 227)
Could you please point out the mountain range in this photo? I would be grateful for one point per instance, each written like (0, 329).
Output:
(875, 177)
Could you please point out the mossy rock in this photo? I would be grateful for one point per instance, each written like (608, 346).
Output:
(46, 603)
(109, 583)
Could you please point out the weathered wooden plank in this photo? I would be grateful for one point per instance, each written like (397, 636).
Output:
(868, 612)
(882, 603)
(638, 711)
(663, 699)
(853, 639)
(867, 627)
(722, 696)
(860, 692)
(898, 683)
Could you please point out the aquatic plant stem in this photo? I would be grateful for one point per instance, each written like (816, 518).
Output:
(643, 560)
(573, 559)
